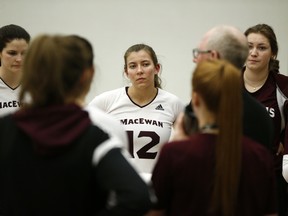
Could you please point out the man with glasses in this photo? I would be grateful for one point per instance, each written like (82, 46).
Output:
(229, 43)
(197, 52)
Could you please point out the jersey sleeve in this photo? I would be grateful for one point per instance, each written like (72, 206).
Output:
(100, 102)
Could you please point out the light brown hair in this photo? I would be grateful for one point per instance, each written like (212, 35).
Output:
(52, 69)
(219, 83)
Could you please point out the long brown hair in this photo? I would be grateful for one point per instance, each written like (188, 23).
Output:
(52, 69)
(219, 84)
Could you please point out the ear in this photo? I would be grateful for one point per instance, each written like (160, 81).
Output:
(87, 75)
(125, 71)
(195, 99)
(157, 67)
(215, 54)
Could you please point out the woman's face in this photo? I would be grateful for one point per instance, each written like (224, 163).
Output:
(141, 69)
(259, 52)
(12, 56)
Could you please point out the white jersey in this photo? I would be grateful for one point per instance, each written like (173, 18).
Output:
(148, 127)
(108, 124)
(9, 101)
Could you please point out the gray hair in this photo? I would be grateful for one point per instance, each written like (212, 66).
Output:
(230, 43)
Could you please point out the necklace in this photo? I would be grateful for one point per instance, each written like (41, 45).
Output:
(253, 88)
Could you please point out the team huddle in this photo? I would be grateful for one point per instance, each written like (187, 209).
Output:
(127, 151)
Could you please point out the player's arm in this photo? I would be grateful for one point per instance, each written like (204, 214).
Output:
(115, 174)
(178, 132)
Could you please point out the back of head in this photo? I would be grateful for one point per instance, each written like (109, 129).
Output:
(268, 32)
(52, 69)
(152, 54)
(230, 43)
(220, 85)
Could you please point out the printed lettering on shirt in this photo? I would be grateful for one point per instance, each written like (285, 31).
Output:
(144, 152)
(8, 104)
(142, 121)
(271, 112)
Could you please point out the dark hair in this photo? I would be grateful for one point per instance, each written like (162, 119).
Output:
(268, 32)
(11, 32)
(213, 80)
(52, 69)
(150, 51)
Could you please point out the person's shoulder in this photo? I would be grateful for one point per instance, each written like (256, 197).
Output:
(281, 76)
(169, 96)
(112, 92)
(167, 93)
(105, 99)
(107, 123)
(281, 81)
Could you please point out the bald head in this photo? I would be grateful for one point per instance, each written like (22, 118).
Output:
(229, 42)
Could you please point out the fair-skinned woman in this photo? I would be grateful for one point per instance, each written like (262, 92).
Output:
(146, 111)
(14, 42)
(263, 81)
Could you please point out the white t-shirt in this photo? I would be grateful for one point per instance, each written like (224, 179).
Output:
(148, 127)
(9, 99)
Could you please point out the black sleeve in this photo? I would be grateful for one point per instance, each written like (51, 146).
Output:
(257, 123)
(114, 173)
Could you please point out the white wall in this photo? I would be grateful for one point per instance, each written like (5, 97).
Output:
(171, 27)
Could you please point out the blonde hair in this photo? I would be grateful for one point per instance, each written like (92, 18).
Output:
(220, 85)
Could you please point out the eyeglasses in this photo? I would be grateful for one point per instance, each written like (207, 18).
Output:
(196, 52)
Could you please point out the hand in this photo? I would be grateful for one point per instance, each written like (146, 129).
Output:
(179, 132)
(280, 150)
(155, 213)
